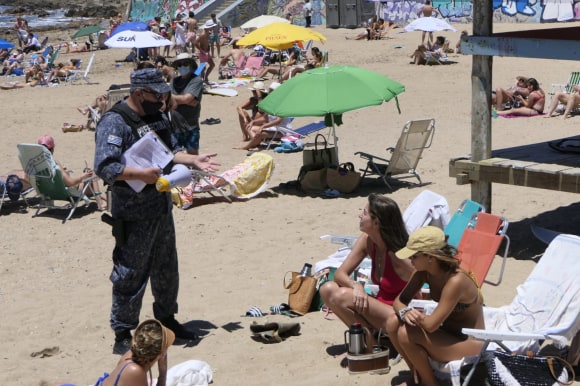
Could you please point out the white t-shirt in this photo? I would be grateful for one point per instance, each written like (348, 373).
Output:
(307, 9)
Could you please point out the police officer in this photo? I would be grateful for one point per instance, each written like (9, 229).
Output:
(142, 221)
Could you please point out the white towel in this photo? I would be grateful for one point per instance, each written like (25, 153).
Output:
(190, 373)
(428, 208)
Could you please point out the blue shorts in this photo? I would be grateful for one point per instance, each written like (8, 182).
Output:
(214, 39)
(189, 140)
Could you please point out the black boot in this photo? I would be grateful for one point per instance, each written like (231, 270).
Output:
(122, 342)
(178, 329)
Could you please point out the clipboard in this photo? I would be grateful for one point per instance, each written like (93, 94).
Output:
(149, 151)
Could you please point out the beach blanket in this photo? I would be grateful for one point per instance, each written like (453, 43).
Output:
(522, 116)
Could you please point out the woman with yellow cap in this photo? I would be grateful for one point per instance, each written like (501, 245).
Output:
(417, 336)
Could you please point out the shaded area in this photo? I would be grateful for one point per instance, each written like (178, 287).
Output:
(524, 245)
(539, 152)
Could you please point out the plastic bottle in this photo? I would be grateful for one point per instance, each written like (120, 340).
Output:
(494, 113)
(180, 176)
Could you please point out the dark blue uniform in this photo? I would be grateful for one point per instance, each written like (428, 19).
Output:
(148, 249)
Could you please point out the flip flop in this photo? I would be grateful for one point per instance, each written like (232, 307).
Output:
(254, 312)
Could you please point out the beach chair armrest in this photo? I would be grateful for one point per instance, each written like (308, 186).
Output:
(497, 336)
(347, 241)
(370, 157)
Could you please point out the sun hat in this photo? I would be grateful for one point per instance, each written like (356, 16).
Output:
(274, 86)
(426, 239)
(209, 24)
(167, 336)
(521, 78)
(150, 78)
(183, 59)
(47, 141)
(258, 86)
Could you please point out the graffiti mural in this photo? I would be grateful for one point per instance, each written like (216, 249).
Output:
(398, 11)
(512, 11)
(145, 10)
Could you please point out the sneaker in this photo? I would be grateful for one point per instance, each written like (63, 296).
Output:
(122, 342)
(178, 329)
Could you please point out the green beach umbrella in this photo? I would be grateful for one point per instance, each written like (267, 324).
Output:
(329, 92)
(85, 31)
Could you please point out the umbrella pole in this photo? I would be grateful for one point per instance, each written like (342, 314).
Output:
(334, 137)
(280, 71)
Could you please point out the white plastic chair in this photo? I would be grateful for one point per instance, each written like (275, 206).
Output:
(76, 75)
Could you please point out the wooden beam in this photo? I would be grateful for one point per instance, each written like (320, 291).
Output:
(481, 79)
(521, 47)
(518, 173)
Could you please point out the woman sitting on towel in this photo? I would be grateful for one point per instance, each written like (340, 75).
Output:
(530, 106)
(417, 336)
(149, 346)
(383, 233)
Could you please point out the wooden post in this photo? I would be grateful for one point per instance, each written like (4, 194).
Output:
(481, 78)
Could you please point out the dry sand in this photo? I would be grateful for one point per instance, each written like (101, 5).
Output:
(54, 287)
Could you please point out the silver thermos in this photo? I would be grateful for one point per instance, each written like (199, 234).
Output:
(355, 343)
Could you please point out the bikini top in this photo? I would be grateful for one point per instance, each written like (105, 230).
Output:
(106, 375)
(459, 307)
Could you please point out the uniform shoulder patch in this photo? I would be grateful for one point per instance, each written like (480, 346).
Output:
(114, 140)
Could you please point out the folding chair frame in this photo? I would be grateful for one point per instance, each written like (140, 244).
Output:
(51, 176)
(391, 167)
(199, 175)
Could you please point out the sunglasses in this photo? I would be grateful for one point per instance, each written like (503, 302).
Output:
(159, 96)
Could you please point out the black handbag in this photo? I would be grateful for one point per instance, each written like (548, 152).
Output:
(321, 155)
(522, 370)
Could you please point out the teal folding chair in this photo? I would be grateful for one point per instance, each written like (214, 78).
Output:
(460, 220)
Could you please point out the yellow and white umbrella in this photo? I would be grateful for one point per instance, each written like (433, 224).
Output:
(280, 36)
(262, 21)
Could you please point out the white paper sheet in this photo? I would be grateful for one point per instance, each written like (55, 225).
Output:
(147, 152)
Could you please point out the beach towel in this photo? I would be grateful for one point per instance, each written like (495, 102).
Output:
(428, 208)
(190, 373)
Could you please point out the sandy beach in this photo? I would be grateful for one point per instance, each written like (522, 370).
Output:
(54, 286)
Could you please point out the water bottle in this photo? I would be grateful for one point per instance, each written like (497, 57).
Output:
(355, 344)
(494, 113)
(306, 270)
(180, 176)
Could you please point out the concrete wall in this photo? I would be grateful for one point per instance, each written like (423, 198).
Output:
(509, 11)
(400, 11)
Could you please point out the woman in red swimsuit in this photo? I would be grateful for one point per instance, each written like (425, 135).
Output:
(532, 105)
(383, 233)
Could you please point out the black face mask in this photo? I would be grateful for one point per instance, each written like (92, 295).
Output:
(151, 108)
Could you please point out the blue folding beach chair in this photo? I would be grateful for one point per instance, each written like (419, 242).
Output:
(459, 221)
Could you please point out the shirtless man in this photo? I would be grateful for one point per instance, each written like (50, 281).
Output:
(427, 10)
(214, 37)
(203, 46)
(235, 54)
(191, 31)
(21, 28)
